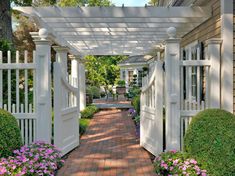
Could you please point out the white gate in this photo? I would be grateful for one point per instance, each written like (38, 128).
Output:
(66, 109)
(151, 121)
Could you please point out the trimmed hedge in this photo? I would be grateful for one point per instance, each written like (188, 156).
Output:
(136, 103)
(211, 140)
(89, 111)
(10, 137)
(84, 123)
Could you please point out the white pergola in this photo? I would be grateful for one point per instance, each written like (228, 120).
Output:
(115, 30)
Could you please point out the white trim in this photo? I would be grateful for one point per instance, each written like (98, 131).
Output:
(227, 55)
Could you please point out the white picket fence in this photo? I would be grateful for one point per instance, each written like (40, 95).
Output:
(14, 96)
(193, 102)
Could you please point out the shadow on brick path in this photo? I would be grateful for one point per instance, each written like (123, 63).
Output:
(109, 148)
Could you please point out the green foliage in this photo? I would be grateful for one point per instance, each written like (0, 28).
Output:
(89, 111)
(74, 3)
(120, 83)
(5, 46)
(102, 70)
(153, 2)
(93, 91)
(137, 119)
(10, 138)
(83, 124)
(136, 103)
(210, 139)
(29, 2)
(133, 92)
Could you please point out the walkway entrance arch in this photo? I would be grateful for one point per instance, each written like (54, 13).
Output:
(115, 30)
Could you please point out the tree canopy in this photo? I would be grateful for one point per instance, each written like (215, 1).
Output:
(102, 70)
(153, 2)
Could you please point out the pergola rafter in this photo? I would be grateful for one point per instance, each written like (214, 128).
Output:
(115, 30)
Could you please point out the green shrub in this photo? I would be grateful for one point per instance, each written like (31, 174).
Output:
(83, 124)
(210, 139)
(10, 138)
(93, 91)
(89, 111)
(121, 83)
(137, 119)
(136, 104)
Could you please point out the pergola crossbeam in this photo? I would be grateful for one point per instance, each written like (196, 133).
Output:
(115, 30)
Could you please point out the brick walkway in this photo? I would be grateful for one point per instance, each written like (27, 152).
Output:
(109, 148)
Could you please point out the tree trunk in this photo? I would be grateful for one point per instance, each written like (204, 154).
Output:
(5, 20)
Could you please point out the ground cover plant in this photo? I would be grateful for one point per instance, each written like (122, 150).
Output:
(177, 163)
(38, 158)
(83, 124)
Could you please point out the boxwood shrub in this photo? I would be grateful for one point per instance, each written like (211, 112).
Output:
(89, 111)
(10, 137)
(211, 140)
(136, 103)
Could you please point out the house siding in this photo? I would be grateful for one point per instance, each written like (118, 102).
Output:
(234, 57)
(209, 29)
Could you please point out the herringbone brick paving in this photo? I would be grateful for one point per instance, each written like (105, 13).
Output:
(109, 148)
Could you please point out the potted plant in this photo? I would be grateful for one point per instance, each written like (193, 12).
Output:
(121, 87)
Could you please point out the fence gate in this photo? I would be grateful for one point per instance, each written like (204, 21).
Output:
(151, 121)
(66, 109)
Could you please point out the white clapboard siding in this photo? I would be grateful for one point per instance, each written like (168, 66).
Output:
(18, 69)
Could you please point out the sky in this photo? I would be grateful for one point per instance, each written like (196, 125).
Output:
(133, 3)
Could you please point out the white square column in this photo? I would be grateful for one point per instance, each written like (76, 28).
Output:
(214, 55)
(227, 55)
(82, 83)
(43, 87)
(172, 81)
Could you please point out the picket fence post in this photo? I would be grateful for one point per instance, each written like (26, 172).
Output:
(172, 58)
(43, 86)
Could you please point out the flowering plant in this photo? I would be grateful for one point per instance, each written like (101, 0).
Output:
(176, 163)
(132, 112)
(38, 158)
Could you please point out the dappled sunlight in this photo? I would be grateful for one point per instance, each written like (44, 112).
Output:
(109, 147)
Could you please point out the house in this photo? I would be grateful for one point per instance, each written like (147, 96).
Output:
(135, 65)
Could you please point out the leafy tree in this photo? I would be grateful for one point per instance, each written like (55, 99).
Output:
(153, 2)
(102, 70)
(72, 3)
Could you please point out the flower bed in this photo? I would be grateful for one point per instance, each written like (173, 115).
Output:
(133, 114)
(177, 163)
(38, 158)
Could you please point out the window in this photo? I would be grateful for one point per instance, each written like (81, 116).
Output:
(130, 76)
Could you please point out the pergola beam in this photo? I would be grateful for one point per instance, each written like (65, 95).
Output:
(118, 12)
(115, 30)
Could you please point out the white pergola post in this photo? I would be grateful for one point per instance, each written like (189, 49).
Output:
(172, 58)
(126, 80)
(82, 83)
(43, 87)
(213, 46)
(227, 55)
